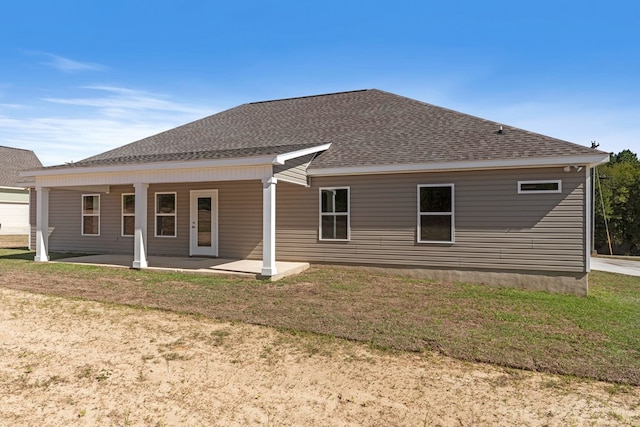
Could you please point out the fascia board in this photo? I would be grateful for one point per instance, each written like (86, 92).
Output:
(194, 164)
(588, 160)
(26, 185)
(157, 176)
(282, 158)
(89, 188)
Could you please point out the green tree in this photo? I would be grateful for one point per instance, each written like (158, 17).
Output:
(619, 189)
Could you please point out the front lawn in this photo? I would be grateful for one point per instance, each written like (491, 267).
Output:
(595, 337)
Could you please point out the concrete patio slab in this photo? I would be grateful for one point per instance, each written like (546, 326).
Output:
(616, 265)
(243, 267)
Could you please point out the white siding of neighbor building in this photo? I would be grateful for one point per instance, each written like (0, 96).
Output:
(14, 211)
(14, 218)
(14, 195)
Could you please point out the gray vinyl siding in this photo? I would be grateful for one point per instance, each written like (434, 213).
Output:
(495, 228)
(65, 222)
(294, 170)
(239, 221)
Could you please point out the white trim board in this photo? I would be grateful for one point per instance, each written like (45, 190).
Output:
(533, 162)
(282, 158)
(2, 187)
(157, 176)
(271, 159)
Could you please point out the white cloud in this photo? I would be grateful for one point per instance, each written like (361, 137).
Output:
(59, 140)
(124, 99)
(11, 106)
(69, 65)
(95, 124)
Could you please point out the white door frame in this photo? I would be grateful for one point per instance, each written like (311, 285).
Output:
(194, 249)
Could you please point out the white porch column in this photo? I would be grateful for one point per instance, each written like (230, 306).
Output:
(140, 235)
(42, 224)
(269, 226)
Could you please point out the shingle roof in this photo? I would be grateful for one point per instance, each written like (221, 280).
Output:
(14, 160)
(366, 127)
(188, 155)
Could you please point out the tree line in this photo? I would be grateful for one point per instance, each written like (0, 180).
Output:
(617, 199)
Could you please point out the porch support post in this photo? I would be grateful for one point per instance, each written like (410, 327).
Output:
(42, 224)
(140, 235)
(269, 226)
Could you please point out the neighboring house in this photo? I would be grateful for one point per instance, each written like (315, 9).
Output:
(14, 194)
(363, 178)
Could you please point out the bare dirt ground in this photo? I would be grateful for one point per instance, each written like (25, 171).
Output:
(70, 362)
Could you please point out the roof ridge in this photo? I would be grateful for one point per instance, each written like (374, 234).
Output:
(309, 96)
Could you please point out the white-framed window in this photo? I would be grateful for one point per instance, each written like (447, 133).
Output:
(334, 214)
(128, 214)
(90, 214)
(436, 213)
(537, 187)
(166, 218)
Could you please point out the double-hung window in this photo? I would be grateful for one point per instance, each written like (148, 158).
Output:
(90, 214)
(128, 214)
(436, 213)
(166, 222)
(334, 213)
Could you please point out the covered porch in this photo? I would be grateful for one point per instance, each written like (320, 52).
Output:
(162, 211)
(196, 265)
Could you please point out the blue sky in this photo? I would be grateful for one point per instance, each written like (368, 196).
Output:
(80, 77)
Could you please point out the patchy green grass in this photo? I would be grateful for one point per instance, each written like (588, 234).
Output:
(595, 337)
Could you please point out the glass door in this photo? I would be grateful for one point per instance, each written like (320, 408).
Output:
(204, 222)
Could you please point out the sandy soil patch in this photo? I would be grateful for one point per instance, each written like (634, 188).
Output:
(69, 362)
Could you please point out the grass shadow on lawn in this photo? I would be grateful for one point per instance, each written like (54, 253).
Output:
(593, 337)
(24, 254)
(17, 253)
